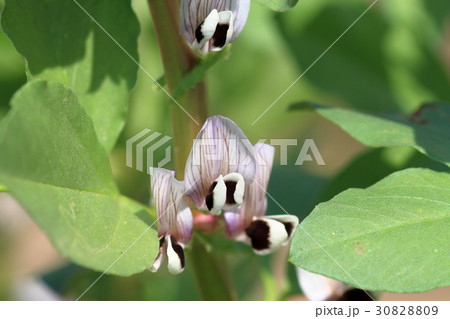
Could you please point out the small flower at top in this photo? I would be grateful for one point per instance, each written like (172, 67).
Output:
(209, 25)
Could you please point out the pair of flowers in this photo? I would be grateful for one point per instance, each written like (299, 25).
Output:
(224, 172)
(209, 25)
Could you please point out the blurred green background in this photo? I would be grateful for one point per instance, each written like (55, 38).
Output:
(395, 58)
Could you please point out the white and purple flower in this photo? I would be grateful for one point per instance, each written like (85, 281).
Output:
(224, 172)
(174, 219)
(209, 25)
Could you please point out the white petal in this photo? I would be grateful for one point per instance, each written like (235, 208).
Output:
(224, 31)
(266, 235)
(320, 288)
(175, 256)
(161, 254)
(215, 200)
(205, 31)
(290, 222)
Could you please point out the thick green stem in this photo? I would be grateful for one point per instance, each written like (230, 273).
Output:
(178, 60)
(211, 273)
(210, 269)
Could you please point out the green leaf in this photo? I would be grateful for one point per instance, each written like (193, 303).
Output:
(53, 164)
(198, 73)
(375, 164)
(392, 236)
(3, 188)
(60, 42)
(427, 129)
(278, 5)
(390, 60)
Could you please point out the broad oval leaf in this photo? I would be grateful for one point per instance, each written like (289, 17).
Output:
(427, 129)
(392, 236)
(278, 5)
(53, 164)
(60, 42)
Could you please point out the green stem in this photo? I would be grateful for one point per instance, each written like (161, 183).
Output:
(211, 273)
(178, 60)
(210, 269)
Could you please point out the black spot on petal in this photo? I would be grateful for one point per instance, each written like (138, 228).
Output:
(198, 33)
(179, 251)
(289, 227)
(231, 188)
(259, 233)
(162, 240)
(210, 197)
(220, 35)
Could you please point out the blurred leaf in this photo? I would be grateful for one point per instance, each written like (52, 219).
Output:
(295, 189)
(3, 188)
(54, 166)
(278, 5)
(143, 286)
(374, 165)
(392, 236)
(60, 42)
(358, 54)
(427, 129)
(198, 73)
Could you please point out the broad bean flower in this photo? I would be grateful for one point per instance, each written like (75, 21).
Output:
(224, 172)
(209, 25)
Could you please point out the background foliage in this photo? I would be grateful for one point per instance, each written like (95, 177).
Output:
(391, 62)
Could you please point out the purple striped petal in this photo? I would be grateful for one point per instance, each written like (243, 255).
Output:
(174, 216)
(220, 148)
(255, 202)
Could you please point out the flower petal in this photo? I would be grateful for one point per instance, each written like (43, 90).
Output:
(290, 223)
(223, 32)
(266, 235)
(216, 197)
(194, 13)
(320, 288)
(175, 256)
(235, 188)
(220, 148)
(235, 224)
(205, 31)
(240, 9)
(161, 254)
(255, 202)
(174, 216)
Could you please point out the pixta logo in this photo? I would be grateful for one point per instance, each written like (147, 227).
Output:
(147, 143)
